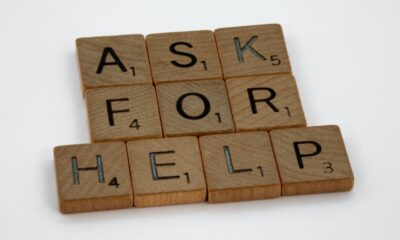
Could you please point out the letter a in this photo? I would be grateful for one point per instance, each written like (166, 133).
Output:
(116, 61)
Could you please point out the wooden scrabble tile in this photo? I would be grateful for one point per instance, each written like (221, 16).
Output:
(123, 113)
(252, 50)
(113, 60)
(265, 102)
(181, 56)
(194, 108)
(239, 166)
(93, 177)
(312, 160)
(166, 171)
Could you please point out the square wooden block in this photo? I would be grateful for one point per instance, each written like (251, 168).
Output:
(123, 113)
(113, 60)
(182, 56)
(312, 160)
(265, 102)
(252, 50)
(239, 166)
(194, 108)
(166, 171)
(93, 177)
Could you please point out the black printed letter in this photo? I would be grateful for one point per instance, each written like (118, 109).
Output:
(193, 58)
(111, 112)
(253, 101)
(180, 110)
(103, 59)
(299, 155)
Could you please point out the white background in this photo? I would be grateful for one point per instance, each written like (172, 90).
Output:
(344, 54)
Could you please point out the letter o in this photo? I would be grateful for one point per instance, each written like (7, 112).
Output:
(184, 114)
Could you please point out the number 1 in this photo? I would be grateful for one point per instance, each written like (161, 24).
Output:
(187, 177)
(218, 117)
(133, 71)
(288, 112)
(204, 65)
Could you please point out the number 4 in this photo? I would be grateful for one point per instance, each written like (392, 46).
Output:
(135, 124)
(114, 182)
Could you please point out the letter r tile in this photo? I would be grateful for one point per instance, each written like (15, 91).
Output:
(312, 160)
(123, 113)
(239, 167)
(182, 56)
(166, 171)
(113, 61)
(252, 50)
(93, 177)
(265, 102)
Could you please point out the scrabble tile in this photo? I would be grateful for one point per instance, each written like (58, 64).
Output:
(182, 56)
(239, 166)
(252, 50)
(113, 60)
(312, 160)
(166, 171)
(93, 177)
(123, 113)
(265, 102)
(194, 108)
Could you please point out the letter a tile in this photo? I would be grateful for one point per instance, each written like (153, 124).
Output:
(113, 61)
(312, 160)
(239, 167)
(123, 113)
(252, 50)
(183, 56)
(93, 177)
(166, 171)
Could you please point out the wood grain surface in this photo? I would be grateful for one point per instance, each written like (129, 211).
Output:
(182, 56)
(265, 102)
(195, 96)
(123, 113)
(166, 171)
(239, 166)
(93, 177)
(113, 61)
(323, 166)
(252, 50)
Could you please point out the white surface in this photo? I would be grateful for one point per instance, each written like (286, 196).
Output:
(345, 56)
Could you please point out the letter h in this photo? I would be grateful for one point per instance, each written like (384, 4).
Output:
(76, 169)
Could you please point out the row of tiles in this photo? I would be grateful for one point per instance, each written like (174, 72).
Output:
(182, 56)
(217, 168)
(194, 108)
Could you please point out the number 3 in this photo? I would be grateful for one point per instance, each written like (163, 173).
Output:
(328, 167)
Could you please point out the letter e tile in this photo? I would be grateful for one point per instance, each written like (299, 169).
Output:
(166, 171)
